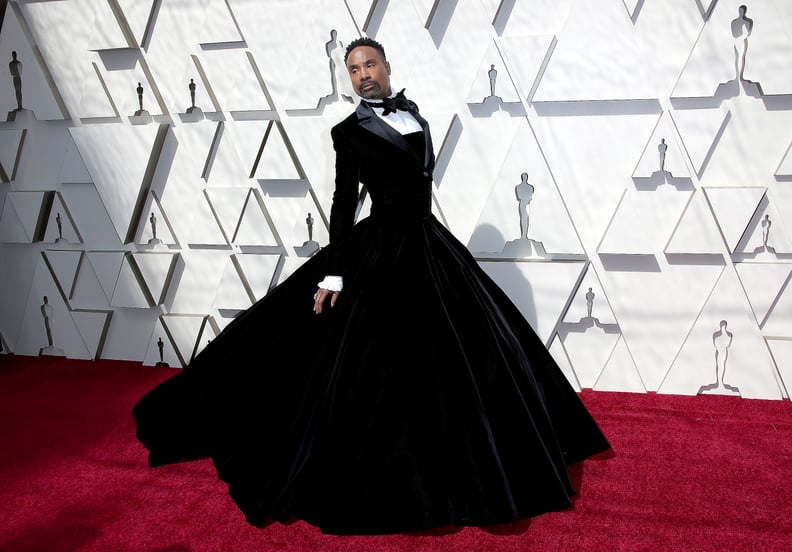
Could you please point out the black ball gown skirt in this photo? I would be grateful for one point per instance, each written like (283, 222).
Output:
(423, 398)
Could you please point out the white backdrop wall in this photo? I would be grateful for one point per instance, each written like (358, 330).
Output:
(643, 143)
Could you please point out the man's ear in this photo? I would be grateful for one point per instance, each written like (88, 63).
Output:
(387, 66)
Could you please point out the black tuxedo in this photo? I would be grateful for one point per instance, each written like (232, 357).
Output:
(423, 398)
(372, 153)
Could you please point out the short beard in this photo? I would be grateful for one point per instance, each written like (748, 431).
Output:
(372, 94)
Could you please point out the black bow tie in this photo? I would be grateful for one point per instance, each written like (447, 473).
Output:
(397, 102)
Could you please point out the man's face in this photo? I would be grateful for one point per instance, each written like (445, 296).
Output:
(369, 73)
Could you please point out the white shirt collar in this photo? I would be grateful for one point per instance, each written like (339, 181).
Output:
(401, 121)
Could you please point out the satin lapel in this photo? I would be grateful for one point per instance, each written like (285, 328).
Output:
(368, 120)
(429, 150)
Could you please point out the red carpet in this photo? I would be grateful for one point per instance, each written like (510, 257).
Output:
(687, 473)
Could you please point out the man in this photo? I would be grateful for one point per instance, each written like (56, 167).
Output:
(371, 148)
(423, 399)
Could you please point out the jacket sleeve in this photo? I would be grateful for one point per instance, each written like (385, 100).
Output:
(345, 200)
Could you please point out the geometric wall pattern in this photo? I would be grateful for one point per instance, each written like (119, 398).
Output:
(622, 168)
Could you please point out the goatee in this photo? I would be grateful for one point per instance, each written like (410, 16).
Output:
(372, 93)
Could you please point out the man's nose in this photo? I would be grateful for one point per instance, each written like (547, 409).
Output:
(364, 74)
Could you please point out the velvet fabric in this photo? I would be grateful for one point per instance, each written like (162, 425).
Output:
(422, 398)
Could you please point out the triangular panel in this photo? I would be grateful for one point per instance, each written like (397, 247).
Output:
(254, 224)
(589, 349)
(184, 331)
(589, 330)
(643, 221)
(361, 10)
(161, 350)
(492, 80)
(88, 292)
(620, 373)
(204, 229)
(631, 5)
(232, 294)
(228, 205)
(138, 15)
(525, 56)
(779, 319)
(539, 290)
(525, 193)
(156, 270)
(656, 307)
(219, 24)
(581, 46)
(724, 352)
(699, 130)
(47, 327)
(92, 326)
(696, 232)
(107, 267)
(28, 207)
(64, 266)
(711, 62)
(128, 291)
(559, 355)
(275, 161)
(310, 137)
(590, 302)
(734, 208)
(11, 142)
(258, 271)
(60, 226)
(154, 227)
(785, 167)
(763, 282)
(781, 350)
(233, 78)
(11, 228)
(767, 237)
(89, 213)
(246, 138)
(37, 90)
(289, 202)
(116, 157)
(663, 152)
(127, 80)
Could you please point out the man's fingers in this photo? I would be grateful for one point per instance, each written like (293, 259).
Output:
(320, 296)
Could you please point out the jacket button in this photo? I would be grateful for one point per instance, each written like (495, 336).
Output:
(426, 173)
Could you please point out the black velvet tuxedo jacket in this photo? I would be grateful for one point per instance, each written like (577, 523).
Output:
(372, 153)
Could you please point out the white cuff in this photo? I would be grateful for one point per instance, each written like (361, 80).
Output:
(332, 283)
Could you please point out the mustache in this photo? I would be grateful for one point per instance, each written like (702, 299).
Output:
(371, 83)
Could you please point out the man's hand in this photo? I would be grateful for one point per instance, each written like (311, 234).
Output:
(320, 296)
